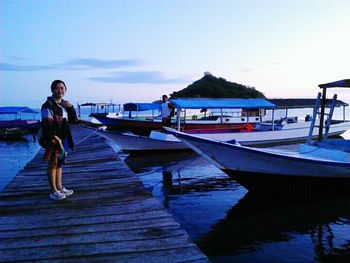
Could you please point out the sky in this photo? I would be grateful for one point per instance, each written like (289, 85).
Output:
(135, 51)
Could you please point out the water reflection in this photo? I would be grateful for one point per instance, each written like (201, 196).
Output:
(257, 223)
(230, 225)
(140, 163)
(180, 174)
(197, 194)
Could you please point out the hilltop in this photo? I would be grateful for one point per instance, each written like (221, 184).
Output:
(213, 87)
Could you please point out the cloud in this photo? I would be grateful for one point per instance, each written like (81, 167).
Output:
(18, 58)
(91, 63)
(246, 69)
(140, 77)
(74, 64)
(277, 63)
(13, 67)
(128, 77)
(259, 66)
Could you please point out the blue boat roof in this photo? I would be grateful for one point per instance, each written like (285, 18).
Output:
(141, 106)
(345, 83)
(15, 110)
(221, 103)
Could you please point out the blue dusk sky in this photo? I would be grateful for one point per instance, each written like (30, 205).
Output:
(121, 51)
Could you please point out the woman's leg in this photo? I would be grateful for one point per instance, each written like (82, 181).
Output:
(168, 122)
(59, 178)
(51, 175)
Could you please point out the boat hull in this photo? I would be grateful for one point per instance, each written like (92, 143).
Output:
(15, 130)
(291, 133)
(269, 168)
(139, 143)
(12, 134)
(144, 127)
(136, 144)
(264, 183)
(28, 124)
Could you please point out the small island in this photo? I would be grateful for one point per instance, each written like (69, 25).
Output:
(213, 87)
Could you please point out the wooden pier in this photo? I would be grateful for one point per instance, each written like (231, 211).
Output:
(111, 217)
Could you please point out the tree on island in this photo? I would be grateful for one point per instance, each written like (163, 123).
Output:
(212, 87)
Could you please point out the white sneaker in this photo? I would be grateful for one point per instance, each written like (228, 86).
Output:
(57, 196)
(66, 192)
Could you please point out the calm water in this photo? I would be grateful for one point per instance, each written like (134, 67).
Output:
(14, 156)
(231, 225)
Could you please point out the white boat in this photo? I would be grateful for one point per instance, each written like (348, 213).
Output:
(159, 141)
(262, 134)
(324, 163)
(249, 113)
(136, 144)
(289, 133)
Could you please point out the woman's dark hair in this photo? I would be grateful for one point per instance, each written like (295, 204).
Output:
(56, 82)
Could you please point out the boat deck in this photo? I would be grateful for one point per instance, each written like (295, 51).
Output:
(111, 217)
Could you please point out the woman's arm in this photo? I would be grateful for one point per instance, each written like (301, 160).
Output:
(47, 122)
(72, 115)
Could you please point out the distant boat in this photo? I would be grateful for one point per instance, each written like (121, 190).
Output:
(16, 122)
(160, 141)
(261, 133)
(133, 120)
(320, 163)
(144, 125)
(98, 109)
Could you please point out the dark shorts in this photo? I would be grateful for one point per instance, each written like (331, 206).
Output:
(61, 161)
(166, 122)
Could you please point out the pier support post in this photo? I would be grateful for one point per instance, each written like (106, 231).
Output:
(167, 179)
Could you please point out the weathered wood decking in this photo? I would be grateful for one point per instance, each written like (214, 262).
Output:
(111, 217)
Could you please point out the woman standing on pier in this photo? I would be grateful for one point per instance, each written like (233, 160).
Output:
(56, 137)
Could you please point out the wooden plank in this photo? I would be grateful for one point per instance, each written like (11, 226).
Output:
(83, 197)
(72, 212)
(91, 229)
(111, 217)
(42, 185)
(123, 170)
(99, 237)
(159, 256)
(66, 203)
(86, 220)
(87, 204)
(90, 249)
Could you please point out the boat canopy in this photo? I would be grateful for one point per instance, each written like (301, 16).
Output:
(99, 104)
(221, 103)
(16, 110)
(345, 83)
(141, 106)
(302, 103)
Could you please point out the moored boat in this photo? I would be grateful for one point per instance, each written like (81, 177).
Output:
(17, 122)
(261, 133)
(139, 144)
(317, 165)
(97, 110)
(250, 112)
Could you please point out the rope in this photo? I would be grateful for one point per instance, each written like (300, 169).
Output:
(86, 137)
(151, 187)
(310, 151)
(183, 166)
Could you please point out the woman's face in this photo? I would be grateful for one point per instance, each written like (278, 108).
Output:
(59, 91)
